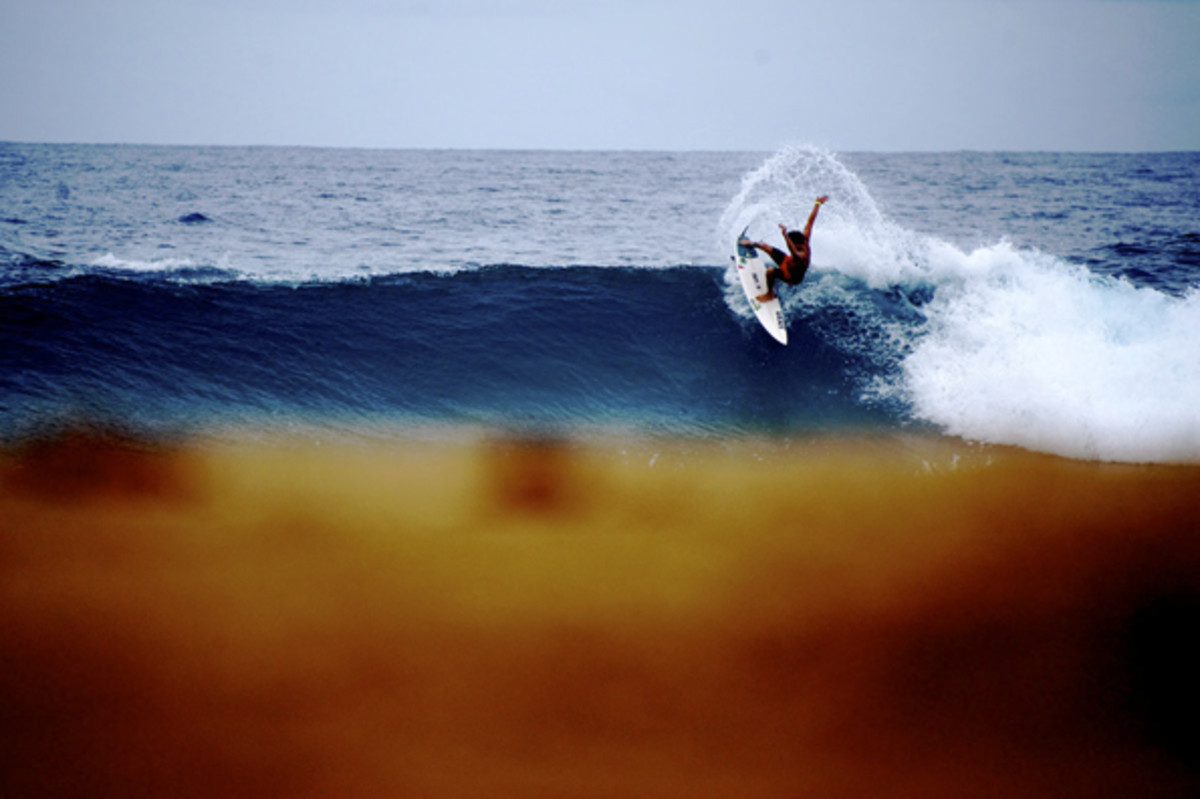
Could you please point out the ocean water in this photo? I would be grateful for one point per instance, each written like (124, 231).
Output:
(1047, 301)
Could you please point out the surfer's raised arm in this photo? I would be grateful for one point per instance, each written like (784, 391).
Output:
(813, 216)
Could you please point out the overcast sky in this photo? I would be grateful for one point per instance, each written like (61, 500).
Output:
(606, 74)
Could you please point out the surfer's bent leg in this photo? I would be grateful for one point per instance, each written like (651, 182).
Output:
(771, 274)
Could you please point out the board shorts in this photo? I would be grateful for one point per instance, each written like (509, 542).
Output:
(777, 255)
(797, 274)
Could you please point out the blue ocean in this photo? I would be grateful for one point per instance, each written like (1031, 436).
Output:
(1049, 301)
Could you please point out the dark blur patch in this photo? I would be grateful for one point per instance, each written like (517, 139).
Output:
(83, 463)
(534, 475)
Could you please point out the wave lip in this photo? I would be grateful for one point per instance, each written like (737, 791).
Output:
(175, 270)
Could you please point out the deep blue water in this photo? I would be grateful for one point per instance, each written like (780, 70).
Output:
(1044, 300)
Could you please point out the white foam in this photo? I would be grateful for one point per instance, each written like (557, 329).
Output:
(1041, 354)
(110, 261)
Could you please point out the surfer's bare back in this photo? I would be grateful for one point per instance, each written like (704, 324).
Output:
(792, 265)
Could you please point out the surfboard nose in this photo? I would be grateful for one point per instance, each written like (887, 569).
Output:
(744, 247)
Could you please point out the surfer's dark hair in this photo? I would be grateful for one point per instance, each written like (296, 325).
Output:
(796, 236)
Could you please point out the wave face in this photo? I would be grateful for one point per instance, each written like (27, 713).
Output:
(1047, 301)
(652, 349)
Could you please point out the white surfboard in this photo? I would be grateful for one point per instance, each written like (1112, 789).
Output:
(752, 271)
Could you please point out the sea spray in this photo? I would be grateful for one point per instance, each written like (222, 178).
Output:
(851, 236)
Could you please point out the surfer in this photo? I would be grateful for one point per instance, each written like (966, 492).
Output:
(790, 266)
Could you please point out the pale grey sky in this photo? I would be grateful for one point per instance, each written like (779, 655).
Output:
(605, 74)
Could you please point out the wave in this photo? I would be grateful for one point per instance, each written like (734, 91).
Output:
(194, 218)
(892, 327)
(997, 344)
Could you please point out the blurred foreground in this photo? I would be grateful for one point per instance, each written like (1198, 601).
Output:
(537, 618)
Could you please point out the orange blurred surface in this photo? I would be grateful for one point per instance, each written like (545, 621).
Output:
(853, 617)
